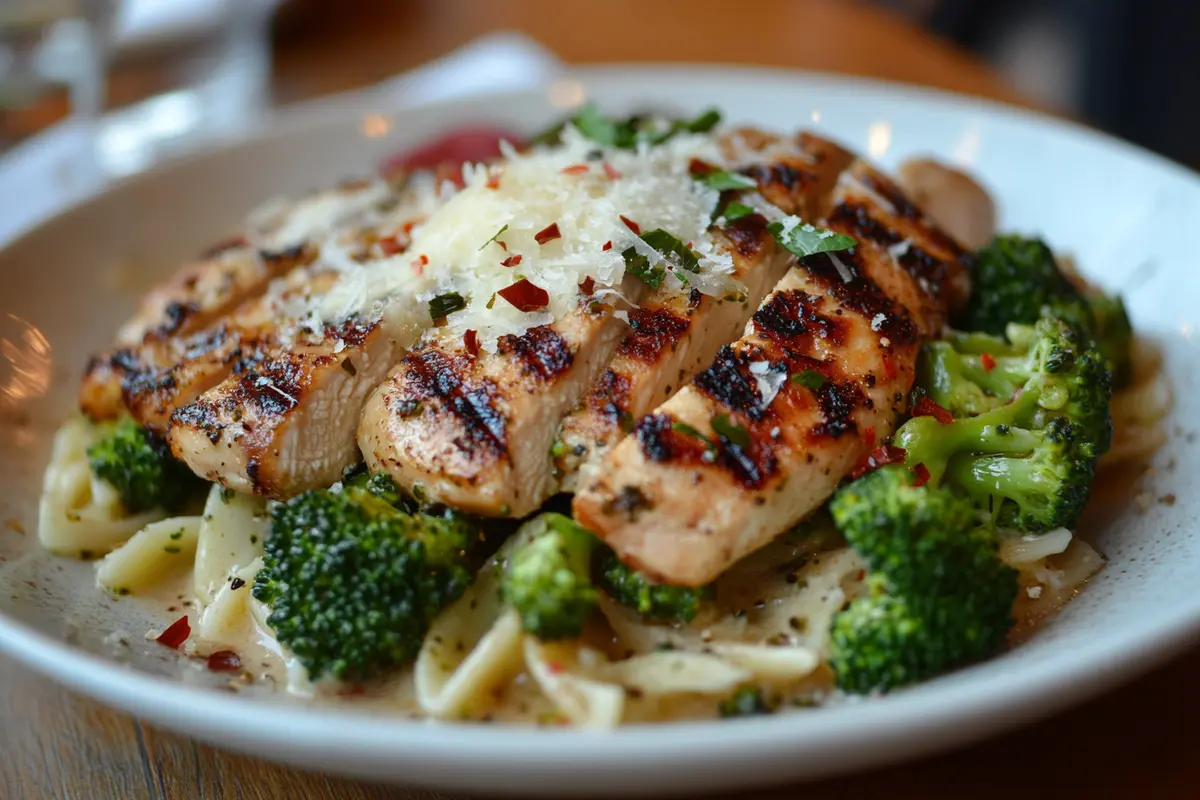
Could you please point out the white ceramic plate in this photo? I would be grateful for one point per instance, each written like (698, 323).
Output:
(1128, 216)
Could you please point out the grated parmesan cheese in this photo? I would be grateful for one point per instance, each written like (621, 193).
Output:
(461, 239)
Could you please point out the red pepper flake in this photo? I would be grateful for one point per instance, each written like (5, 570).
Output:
(633, 226)
(389, 246)
(503, 246)
(511, 261)
(988, 362)
(889, 368)
(607, 245)
(418, 264)
(408, 227)
(493, 181)
(524, 296)
(547, 234)
(224, 661)
(927, 408)
(879, 457)
(922, 475)
(698, 167)
(471, 342)
(611, 171)
(554, 668)
(868, 436)
(575, 169)
(175, 634)
(588, 286)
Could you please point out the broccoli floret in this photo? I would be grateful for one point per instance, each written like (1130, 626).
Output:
(383, 486)
(747, 701)
(940, 596)
(1031, 461)
(1114, 334)
(139, 464)
(548, 578)
(657, 602)
(354, 583)
(1017, 280)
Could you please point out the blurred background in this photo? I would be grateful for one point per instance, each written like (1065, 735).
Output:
(157, 76)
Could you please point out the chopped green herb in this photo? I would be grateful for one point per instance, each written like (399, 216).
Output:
(736, 210)
(226, 495)
(491, 302)
(810, 379)
(558, 449)
(745, 702)
(667, 244)
(171, 548)
(640, 266)
(627, 133)
(731, 431)
(445, 304)
(688, 430)
(177, 535)
(418, 492)
(805, 239)
(494, 237)
(722, 180)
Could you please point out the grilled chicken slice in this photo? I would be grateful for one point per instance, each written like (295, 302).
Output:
(821, 374)
(675, 336)
(475, 431)
(182, 320)
(287, 424)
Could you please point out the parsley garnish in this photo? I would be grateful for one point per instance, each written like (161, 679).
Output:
(650, 274)
(722, 180)
(446, 304)
(666, 243)
(810, 379)
(731, 431)
(736, 210)
(625, 134)
(805, 239)
(494, 238)
(688, 430)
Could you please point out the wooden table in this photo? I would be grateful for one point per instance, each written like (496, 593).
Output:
(1139, 740)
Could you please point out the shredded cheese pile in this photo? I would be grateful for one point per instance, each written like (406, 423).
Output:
(555, 216)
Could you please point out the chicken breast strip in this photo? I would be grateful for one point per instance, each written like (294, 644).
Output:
(474, 431)
(763, 436)
(674, 336)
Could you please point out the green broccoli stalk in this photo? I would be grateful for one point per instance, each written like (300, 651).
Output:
(939, 595)
(1031, 461)
(1018, 280)
(548, 578)
(353, 583)
(656, 602)
(140, 466)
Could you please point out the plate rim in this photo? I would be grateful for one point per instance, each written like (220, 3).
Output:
(902, 725)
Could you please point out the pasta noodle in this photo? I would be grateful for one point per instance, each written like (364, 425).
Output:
(232, 533)
(79, 514)
(152, 555)
(473, 647)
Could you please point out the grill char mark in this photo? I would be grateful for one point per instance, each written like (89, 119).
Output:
(790, 318)
(904, 207)
(748, 235)
(862, 295)
(654, 330)
(542, 352)
(610, 396)
(728, 382)
(433, 376)
(661, 442)
(930, 272)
